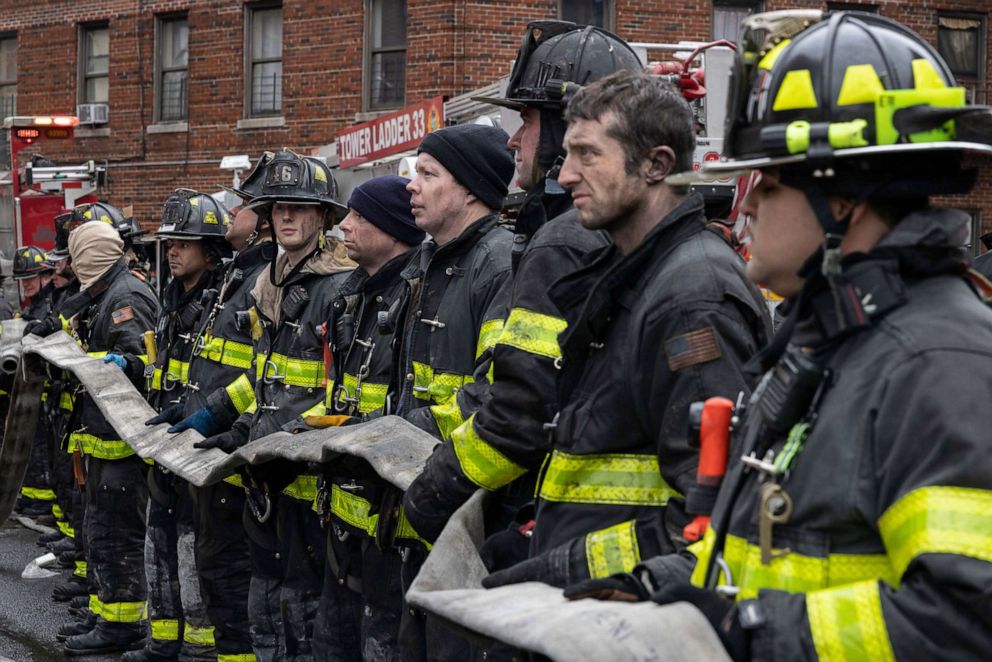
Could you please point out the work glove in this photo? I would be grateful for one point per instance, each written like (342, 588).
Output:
(506, 548)
(307, 423)
(228, 441)
(170, 415)
(43, 327)
(434, 495)
(621, 587)
(330, 421)
(202, 420)
(129, 364)
(719, 611)
(559, 567)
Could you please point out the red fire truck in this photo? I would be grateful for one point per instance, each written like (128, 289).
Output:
(34, 192)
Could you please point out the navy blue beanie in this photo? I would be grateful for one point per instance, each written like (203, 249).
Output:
(476, 155)
(385, 203)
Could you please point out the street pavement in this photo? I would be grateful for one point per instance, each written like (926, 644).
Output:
(29, 618)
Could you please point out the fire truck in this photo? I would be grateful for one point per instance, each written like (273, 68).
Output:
(33, 193)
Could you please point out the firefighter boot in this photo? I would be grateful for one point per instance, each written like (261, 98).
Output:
(62, 545)
(48, 538)
(106, 638)
(73, 629)
(73, 588)
(146, 654)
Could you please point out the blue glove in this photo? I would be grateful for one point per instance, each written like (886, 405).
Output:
(201, 420)
(170, 415)
(117, 359)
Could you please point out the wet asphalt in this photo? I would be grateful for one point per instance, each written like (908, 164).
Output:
(29, 618)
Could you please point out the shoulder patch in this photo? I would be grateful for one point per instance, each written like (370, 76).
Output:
(693, 348)
(122, 315)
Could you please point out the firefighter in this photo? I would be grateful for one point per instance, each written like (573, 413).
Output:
(219, 388)
(509, 425)
(452, 309)
(854, 523)
(380, 234)
(194, 226)
(66, 303)
(658, 319)
(118, 311)
(58, 410)
(6, 307)
(33, 273)
(291, 301)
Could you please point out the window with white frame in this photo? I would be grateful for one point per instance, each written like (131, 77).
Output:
(263, 41)
(385, 54)
(727, 17)
(94, 64)
(171, 68)
(8, 75)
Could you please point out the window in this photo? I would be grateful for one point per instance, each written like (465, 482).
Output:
(960, 42)
(94, 64)
(587, 12)
(385, 54)
(263, 46)
(171, 62)
(8, 75)
(727, 17)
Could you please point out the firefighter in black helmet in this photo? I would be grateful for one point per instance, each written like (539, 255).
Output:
(855, 524)
(194, 226)
(555, 58)
(219, 388)
(291, 301)
(32, 273)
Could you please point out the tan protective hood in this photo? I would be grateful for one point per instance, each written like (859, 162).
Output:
(94, 247)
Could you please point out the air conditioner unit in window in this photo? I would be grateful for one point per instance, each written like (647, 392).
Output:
(93, 113)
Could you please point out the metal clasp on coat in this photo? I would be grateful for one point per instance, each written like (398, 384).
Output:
(261, 514)
(170, 381)
(727, 589)
(434, 323)
(270, 379)
(199, 344)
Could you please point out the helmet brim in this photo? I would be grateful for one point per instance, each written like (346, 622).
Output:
(338, 210)
(518, 104)
(245, 197)
(512, 104)
(742, 166)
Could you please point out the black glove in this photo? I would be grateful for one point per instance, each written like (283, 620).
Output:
(43, 327)
(719, 611)
(559, 567)
(169, 415)
(229, 441)
(434, 495)
(505, 549)
(622, 587)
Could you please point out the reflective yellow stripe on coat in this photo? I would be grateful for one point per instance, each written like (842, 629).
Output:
(613, 479)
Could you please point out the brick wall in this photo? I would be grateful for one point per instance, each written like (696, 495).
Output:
(453, 46)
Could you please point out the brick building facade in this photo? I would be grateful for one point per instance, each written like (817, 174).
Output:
(189, 82)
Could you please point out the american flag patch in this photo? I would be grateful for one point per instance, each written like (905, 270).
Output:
(693, 348)
(122, 315)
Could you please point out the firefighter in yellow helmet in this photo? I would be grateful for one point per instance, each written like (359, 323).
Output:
(855, 520)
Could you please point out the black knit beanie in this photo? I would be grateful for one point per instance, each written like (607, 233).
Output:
(385, 203)
(476, 155)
